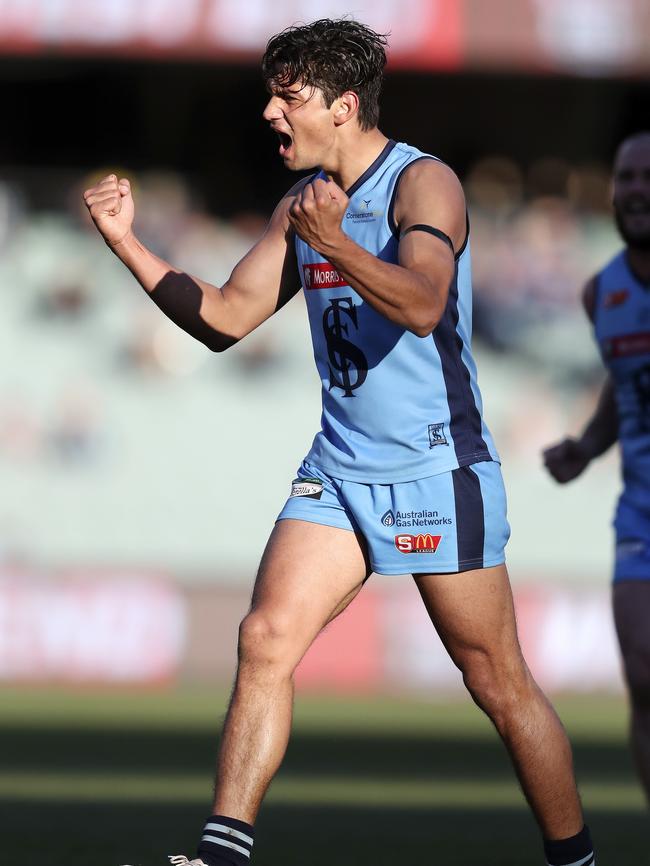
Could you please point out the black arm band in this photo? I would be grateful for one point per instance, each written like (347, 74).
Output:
(179, 297)
(421, 227)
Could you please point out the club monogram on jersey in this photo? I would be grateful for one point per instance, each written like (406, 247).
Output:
(348, 366)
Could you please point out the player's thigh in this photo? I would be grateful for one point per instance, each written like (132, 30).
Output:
(632, 615)
(309, 572)
(473, 613)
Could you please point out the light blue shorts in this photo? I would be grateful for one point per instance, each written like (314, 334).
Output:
(454, 521)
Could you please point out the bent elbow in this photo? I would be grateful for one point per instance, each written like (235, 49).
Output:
(422, 330)
(220, 342)
(425, 326)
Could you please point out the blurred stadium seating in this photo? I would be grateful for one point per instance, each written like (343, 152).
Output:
(127, 447)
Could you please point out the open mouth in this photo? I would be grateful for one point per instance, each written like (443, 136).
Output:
(285, 142)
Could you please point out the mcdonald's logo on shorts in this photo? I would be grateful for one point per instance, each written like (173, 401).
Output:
(417, 543)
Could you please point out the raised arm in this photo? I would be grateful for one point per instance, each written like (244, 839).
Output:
(569, 458)
(413, 292)
(263, 281)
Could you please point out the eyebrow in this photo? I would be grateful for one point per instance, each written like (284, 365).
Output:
(284, 90)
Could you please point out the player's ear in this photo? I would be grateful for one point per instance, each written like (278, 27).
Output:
(345, 107)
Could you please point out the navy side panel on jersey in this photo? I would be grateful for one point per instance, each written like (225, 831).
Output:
(396, 407)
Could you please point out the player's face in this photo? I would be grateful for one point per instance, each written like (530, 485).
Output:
(303, 123)
(632, 193)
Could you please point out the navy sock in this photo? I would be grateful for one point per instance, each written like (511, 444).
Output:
(575, 851)
(226, 842)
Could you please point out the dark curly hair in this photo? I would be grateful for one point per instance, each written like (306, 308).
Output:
(333, 55)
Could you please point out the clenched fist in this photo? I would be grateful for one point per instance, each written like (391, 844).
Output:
(316, 214)
(111, 207)
(566, 460)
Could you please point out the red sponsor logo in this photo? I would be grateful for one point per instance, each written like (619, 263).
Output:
(417, 543)
(322, 276)
(630, 344)
(616, 299)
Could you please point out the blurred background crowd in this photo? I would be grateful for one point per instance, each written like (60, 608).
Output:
(140, 474)
(125, 445)
(94, 373)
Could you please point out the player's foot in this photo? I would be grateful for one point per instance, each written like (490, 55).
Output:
(181, 860)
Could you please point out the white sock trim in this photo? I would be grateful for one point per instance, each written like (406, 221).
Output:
(223, 828)
(217, 841)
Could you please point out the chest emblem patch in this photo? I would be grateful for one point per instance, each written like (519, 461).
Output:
(616, 298)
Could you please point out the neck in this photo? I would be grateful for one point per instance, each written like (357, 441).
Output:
(639, 262)
(346, 163)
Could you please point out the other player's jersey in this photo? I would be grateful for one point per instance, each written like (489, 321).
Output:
(622, 328)
(396, 407)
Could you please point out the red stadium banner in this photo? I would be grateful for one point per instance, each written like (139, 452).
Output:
(106, 627)
(571, 36)
(130, 627)
(423, 33)
(348, 656)
(584, 37)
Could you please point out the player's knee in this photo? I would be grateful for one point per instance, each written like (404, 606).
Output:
(264, 639)
(480, 679)
(494, 682)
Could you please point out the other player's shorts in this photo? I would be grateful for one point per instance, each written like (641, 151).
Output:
(454, 521)
(632, 525)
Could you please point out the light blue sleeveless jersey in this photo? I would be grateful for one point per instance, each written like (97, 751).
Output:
(396, 407)
(622, 329)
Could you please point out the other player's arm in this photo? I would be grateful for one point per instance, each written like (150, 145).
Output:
(262, 282)
(412, 293)
(569, 458)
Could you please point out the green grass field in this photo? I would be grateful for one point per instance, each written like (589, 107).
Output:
(105, 778)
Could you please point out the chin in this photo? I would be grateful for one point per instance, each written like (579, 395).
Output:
(636, 236)
(296, 164)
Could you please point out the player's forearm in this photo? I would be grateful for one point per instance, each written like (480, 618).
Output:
(193, 305)
(146, 267)
(410, 299)
(602, 430)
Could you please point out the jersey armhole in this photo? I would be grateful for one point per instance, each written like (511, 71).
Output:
(390, 216)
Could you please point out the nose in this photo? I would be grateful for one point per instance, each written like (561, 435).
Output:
(273, 110)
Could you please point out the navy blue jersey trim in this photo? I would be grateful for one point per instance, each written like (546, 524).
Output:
(391, 207)
(470, 516)
(383, 156)
(465, 419)
(431, 230)
(466, 241)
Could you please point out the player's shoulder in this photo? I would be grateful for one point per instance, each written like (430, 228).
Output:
(428, 186)
(432, 172)
(590, 288)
